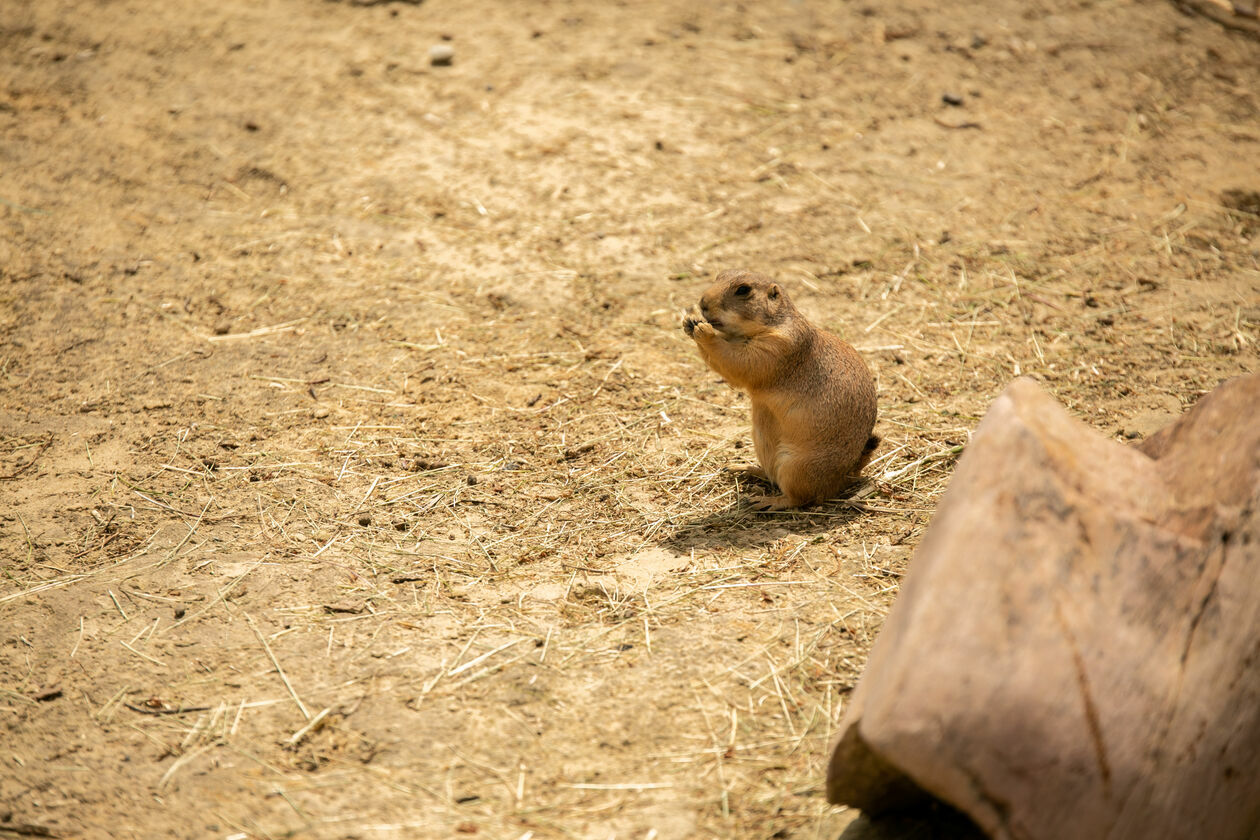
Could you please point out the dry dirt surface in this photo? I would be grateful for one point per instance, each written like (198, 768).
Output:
(356, 479)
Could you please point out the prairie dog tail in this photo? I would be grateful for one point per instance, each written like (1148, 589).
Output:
(868, 451)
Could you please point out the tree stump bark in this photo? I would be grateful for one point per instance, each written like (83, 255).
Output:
(1075, 652)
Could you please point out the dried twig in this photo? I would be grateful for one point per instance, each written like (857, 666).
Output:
(43, 447)
(283, 677)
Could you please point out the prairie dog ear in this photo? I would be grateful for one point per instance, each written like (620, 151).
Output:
(773, 291)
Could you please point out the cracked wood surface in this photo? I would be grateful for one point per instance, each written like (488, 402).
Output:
(1074, 650)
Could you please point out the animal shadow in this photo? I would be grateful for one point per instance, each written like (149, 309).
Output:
(740, 526)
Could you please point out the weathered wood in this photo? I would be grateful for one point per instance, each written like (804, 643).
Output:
(1075, 652)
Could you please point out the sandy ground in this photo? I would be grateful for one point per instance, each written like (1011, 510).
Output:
(356, 479)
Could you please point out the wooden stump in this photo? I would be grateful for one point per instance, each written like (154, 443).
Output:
(1075, 652)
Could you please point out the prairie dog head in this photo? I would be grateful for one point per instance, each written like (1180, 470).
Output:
(744, 304)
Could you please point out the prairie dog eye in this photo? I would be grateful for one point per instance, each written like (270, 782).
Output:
(743, 290)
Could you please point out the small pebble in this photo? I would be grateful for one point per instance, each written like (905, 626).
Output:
(320, 413)
(321, 535)
(472, 481)
(441, 55)
(365, 520)
(952, 99)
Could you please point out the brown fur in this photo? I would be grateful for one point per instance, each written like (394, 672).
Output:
(813, 398)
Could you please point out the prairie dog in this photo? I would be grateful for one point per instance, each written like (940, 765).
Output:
(813, 398)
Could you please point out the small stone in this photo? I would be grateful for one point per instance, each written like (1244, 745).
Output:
(321, 535)
(51, 692)
(365, 520)
(952, 99)
(472, 481)
(319, 413)
(223, 328)
(441, 55)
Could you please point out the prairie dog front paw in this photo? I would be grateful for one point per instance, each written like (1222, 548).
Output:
(697, 327)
